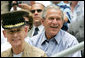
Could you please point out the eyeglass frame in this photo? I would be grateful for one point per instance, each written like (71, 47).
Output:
(38, 10)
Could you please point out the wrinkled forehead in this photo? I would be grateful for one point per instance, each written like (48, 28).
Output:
(54, 11)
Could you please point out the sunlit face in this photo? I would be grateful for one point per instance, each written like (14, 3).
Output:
(36, 11)
(15, 36)
(53, 22)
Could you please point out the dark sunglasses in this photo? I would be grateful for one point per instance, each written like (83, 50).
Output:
(38, 10)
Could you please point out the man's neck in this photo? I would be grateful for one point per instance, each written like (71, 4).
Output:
(36, 24)
(49, 36)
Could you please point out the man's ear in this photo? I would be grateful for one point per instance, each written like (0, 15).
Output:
(42, 21)
(4, 33)
(26, 31)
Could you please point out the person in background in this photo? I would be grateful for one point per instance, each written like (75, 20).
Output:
(36, 10)
(77, 8)
(15, 6)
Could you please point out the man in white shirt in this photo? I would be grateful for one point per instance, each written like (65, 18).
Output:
(36, 11)
(77, 8)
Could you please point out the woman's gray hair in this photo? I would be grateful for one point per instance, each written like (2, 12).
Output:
(51, 7)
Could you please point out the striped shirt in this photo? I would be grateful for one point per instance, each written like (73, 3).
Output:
(60, 42)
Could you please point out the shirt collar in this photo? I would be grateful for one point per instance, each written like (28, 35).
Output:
(58, 37)
(43, 38)
(39, 27)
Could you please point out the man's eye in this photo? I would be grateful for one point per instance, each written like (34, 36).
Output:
(51, 18)
(14, 31)
(58, 18)
(11, 31)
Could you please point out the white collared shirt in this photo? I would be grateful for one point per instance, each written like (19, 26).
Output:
(13, 9)
(41, 27)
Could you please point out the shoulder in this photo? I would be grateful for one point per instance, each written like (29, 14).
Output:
(31, 30)
(68, 39)
(38, 52)
(33, 40)
(30, 33)
(34, 51)
(6, 53)
(69, 36)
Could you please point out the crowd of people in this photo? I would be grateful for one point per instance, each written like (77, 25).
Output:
(42, 28)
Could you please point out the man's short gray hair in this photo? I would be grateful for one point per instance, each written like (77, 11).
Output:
(51, 7)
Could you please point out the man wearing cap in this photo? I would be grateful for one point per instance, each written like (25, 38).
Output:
(15, 32)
